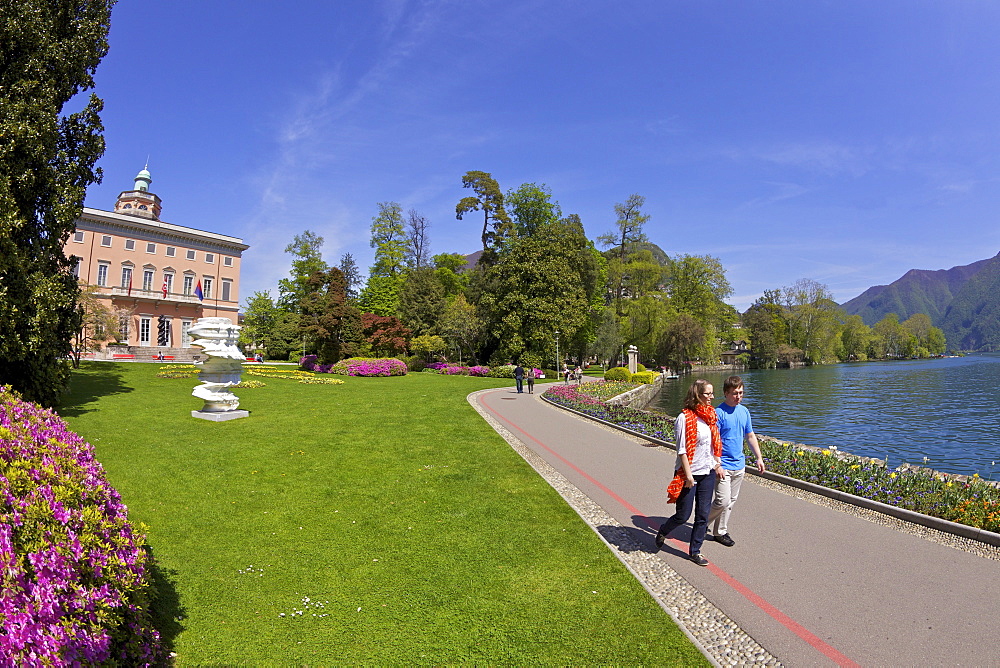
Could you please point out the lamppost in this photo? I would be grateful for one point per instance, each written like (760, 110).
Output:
(557, 353)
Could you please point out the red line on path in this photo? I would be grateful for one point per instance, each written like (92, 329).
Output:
(775, 614)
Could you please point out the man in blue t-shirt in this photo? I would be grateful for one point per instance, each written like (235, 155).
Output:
(735, 426)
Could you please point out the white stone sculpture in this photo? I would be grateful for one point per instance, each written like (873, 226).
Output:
(224, 367)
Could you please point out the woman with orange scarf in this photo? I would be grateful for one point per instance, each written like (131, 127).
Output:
(699, 448)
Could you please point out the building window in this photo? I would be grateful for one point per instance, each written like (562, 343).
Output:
(168, 280)
(150, 248)
(142, 207)
(130, 244)
(188, 285)
(185, 337)
(106, 241)
(228, 261)
(144, 328)
(147, 280)
(78, 237)
(127, 278)
(102, 274)
(207, 287)
(76, 267)
(227, 287)
(171, 251)
(127, 206)
(210, 258)
(190, 255)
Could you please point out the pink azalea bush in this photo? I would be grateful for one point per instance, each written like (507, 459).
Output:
(457, 370)
(74, 586)
(365, 366)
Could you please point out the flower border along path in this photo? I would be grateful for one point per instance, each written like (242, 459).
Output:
(654, 428)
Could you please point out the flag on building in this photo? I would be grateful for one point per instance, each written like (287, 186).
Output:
(198, 293)
(129, 293)
(164, 288)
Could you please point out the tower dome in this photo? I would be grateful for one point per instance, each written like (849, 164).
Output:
(142, 180)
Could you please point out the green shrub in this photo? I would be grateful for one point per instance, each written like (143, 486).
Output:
(530, 361)
(415, 363)
(644, 377)
(618, 373)
(501, 371)
(639, 368)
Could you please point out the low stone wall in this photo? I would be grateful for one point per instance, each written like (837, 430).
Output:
(639, 397)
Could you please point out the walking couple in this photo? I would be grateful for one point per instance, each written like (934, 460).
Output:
(710, 463)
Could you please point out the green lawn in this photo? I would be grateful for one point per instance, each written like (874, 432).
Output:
(385, 510)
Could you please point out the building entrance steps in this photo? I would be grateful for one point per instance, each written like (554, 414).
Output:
(813, 582)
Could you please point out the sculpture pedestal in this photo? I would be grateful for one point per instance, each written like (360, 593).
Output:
(220, 416)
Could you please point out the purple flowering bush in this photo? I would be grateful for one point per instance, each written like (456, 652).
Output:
(454, 370)
(366, 366)
(74, 586)
(479, 371)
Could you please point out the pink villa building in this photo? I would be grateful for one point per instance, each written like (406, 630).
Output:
(159, 277)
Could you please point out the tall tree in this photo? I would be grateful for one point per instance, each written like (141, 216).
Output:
(536, 288)
(889, 338)
(813, 318)
(461, 325)
(259, 314)
(352, 276)
(418, 243)
(49, 52)
(697, 285)
(765, 323)
(682, 338)
(388, 240)
(497, 227)
(448, 267)
(855, 337)
(324, 309)
(421, 301)
(629, 223)
(531, 208)
(309, 260)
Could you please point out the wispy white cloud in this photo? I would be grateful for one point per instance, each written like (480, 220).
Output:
(826, 157)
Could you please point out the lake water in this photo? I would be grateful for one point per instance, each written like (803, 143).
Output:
(943, 409)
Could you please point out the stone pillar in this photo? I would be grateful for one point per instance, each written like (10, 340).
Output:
(633, 358)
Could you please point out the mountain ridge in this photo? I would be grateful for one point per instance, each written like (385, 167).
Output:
(963, 301)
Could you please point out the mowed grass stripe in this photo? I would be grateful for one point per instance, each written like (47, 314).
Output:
(414, 531)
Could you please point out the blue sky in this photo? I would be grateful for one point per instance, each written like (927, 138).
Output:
(846, 142)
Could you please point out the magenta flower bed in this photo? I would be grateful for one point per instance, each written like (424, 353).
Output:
(74, 587)
(362, 366)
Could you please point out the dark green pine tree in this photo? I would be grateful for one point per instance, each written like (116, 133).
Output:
(49, 51)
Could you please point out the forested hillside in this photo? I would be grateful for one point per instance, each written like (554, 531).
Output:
(962, 301)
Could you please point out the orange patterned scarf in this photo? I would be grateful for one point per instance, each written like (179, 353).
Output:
(708, 415)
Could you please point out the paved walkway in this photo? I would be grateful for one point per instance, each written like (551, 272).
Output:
(810, 583)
